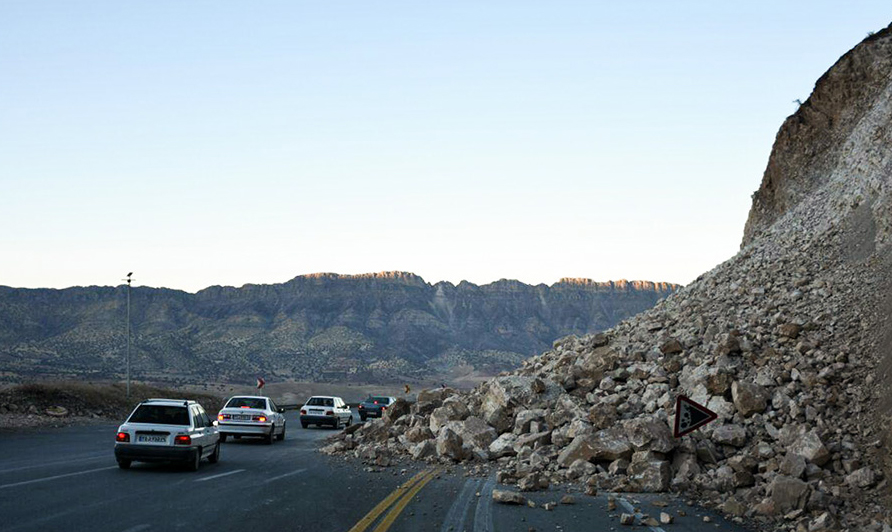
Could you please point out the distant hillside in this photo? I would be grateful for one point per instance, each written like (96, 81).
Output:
(374, 327)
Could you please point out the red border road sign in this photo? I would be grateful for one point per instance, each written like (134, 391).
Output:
(690, 416)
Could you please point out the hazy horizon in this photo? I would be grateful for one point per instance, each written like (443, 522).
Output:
(227, 144)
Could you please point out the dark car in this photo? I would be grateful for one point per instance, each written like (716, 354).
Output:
(375, 406)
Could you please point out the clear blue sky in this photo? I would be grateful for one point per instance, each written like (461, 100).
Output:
(202, 143)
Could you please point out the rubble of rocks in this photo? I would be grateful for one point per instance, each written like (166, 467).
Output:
(781, 341)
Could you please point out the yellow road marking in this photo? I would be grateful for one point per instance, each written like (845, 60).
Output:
(401, 504)
(383, 505)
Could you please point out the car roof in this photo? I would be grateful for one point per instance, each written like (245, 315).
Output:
(175, 402)
(249, 397)
(324, 397)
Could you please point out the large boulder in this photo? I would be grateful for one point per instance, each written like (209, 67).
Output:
(650, 435)
(503, 446)
(733, 435)
(449, 445)
(419, 434)
(474, 432)
(453, 409)
(424, 449)
(435, 395)
(398, 409)
(788, 494)
(649, 473)
(507, 393)
(375, 431)
(524, 418)
(749, 398)
(810, 447)
(605, 445)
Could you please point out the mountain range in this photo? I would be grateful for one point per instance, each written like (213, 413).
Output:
(378, 327)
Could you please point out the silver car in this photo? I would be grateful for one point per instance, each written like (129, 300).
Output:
(167, 430)
(251, 415)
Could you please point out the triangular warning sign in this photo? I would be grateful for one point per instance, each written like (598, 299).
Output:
(690, 416)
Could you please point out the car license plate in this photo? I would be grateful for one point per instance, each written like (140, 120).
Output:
(145, 438)
(315, 411)
(241, 417)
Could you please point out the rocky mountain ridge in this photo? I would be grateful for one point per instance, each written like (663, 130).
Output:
(789, 342)
(371, 327)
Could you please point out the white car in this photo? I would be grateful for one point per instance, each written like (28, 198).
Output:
(251, 415)
(167, 430)
(325, 410)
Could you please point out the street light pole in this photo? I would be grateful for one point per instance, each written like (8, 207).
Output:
(129, 279)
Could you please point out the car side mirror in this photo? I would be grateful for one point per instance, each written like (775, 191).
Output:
(215, 423)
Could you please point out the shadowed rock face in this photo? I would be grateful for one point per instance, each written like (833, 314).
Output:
(813, 143)
(320, 326)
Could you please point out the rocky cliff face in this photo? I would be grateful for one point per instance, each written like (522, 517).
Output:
(837, 135)
(789, 342)
(322, 326)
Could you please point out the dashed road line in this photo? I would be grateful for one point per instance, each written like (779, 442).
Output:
(55, 477)
(90, 458)
(273, 479)
(138, 528)
(212, 477)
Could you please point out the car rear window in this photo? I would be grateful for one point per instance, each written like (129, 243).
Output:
(246, 402)
(162, 415)
(320, 401)
(379, 400)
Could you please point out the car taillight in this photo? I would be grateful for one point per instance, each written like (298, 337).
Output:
(122, 436)
(376, 402)
(329, 413)
(361, 407)
(261, 419)
(303, 412)
(383, 408)
(183, 439)
(220, 417)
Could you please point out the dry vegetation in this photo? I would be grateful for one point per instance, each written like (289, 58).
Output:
(68, 402)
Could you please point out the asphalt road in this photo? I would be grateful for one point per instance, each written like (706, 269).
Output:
(67, 479)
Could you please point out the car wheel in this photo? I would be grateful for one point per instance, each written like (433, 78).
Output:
(223, 438)
(281, 437)
(337, 422)
(362, 417)
(304, 425)
(196, 461)
(124, 464)
(215, 456)
(350, 420)
(270, 438)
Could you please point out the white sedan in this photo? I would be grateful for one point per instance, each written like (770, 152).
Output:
(325, 410)
(248, 415)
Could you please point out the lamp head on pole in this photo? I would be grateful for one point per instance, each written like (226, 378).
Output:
(129, 275)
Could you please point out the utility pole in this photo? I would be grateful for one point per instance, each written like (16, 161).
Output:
(129, 279)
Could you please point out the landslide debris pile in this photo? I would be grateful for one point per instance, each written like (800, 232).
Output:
(783, 341)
